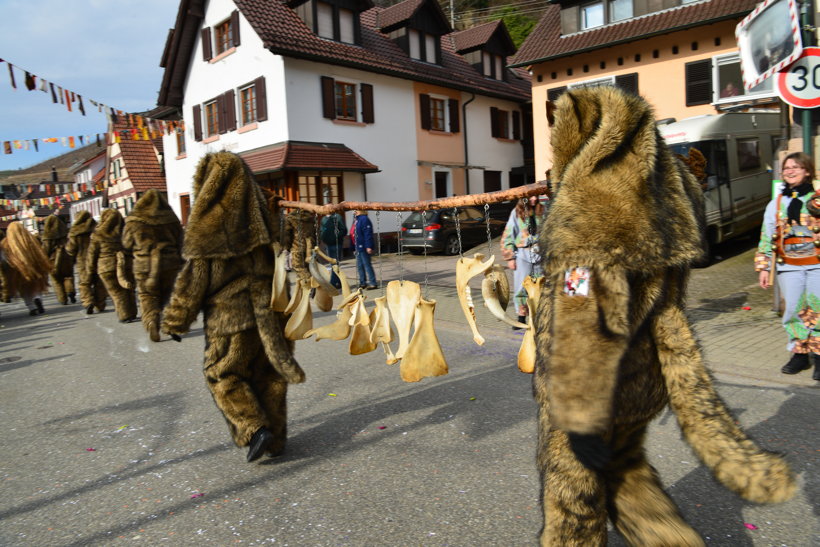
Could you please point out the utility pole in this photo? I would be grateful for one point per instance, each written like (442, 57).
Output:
(807, 31)
(452, 16)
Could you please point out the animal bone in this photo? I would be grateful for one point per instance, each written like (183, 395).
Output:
(360, 338)
(301, 321)
(324, 257)
(491, 288)
(402, 299)
(381, 331)
(323, 300)
(424, 357)
(321, 275)
(466, 269)
(279, 290)
(338, 330)
(526, 354)
(497, 274)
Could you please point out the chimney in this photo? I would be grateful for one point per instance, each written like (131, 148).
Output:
(53, 174)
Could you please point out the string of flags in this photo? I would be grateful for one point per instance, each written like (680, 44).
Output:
(51, 201)
(139, 127)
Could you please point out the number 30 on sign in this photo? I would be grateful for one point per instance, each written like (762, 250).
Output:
(799, 85)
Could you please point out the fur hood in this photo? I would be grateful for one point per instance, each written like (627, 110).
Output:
(153, 209)
(229, 217)
(84, 224)
(109, 229)
(622, 197)
(54, 228)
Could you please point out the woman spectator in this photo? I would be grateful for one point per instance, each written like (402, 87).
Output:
(519, 247)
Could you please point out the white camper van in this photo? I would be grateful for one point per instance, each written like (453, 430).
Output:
(739, 150)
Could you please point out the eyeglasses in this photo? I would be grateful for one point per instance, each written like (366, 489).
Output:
(792, 169)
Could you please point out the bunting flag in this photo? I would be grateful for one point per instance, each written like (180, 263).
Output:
(71, 141)
(49, 201)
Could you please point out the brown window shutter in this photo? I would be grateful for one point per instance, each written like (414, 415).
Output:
(261, 99)
(627, 82)
(197, 122)
(206, 44)
(230, 110)
(699, 82)
(516, 119)
(220, 114)
(424, 110)
(367, 103)
(493, 122)
(235, 27)
(452, 106)
(555, 92)
(328, 98)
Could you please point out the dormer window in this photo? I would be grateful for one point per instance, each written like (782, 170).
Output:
(419, 45)
(221, 39)
(330, 20)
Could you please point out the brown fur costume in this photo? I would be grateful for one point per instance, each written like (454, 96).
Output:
(609, 361)
(300, 231)
(55, 238)
(228, 276)
(108, 259)
(92, 291)
(153, 235)
(24, 266)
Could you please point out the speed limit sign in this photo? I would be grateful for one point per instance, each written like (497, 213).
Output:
(799, 85)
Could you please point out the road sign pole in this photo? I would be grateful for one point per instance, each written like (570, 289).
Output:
(806, 18)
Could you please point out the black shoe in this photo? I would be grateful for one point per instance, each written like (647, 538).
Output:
(72, 298)
(798, 362)
(371, 287)
(32, 312)
(259, 443)
(90, 309)
(521, 319)
(39, 304)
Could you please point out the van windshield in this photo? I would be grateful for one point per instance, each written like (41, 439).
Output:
(717, 164)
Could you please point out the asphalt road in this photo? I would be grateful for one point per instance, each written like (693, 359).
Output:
(108, 438)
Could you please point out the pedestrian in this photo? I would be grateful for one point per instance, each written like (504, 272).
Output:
(92, 291)
(24, 267)
(790, 234)
(519, 247)
(55, 239)
(228, 275)
(363, 237)
(153, 235)
(108, 259)
(332, 234)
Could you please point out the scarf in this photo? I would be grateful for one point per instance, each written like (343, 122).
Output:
(796, 205)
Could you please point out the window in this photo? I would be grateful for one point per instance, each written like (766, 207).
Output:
(324, 16)
(441, 184)
(225, 36)
(592, 15)
(422, 46)
(345, 101)
(330, 21)
(748, 154)
(320, 188)
(339, 101)
(415, 44)
(180, 136)
(728, 81)
(430, 48)
(247, 104)
(116, 169)
(492, 181)
(211, 119)
(500, 124)
(439, 114)
(619, 10)
(346, 30)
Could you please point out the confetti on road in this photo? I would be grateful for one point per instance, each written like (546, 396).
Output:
(747, 308)
(472, 398)
(331, 394)
(750, 526)
(197, 495)
(382, 427)
(90, 449)
(121, 428)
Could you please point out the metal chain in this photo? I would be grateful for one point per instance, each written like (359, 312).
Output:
(282, 228)
(489, 236)
(316, 222)
(380, 280)
(458, 231)
(401, 249)
(424, 243)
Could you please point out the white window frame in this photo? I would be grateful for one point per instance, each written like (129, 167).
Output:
(449, 173)
(581, 22)
(595, 82)
(727, 59)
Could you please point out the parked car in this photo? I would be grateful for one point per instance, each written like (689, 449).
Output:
(438, 231)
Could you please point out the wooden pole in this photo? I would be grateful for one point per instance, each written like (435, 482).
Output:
(444, 203)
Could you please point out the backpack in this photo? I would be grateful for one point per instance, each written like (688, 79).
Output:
(329, 229)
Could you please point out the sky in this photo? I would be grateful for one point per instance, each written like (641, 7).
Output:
(105, 50)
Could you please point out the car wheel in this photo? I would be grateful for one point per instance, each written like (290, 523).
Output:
(451, 246)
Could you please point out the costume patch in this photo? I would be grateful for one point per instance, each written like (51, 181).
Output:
(576, 282)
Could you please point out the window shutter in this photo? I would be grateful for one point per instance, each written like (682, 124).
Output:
(493, 122)
(367, 103)
(424, 110)
(555, 92)
(261, 99)
(627, 82)
(235, 27)
(699, 82)
(197, 122)
(516, 120)
(328, 98)
(206, 44)
(221, 118)
(230, 110)
(452, 106)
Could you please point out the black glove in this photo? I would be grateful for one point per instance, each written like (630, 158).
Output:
(176, 338)
(591, 450)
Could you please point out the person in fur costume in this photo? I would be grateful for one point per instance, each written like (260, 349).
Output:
(108, 259)
(92, 291)
(613, 344)
(153, 235)
(24, 268)
(228, 275)
(300, 231)
(55, 238)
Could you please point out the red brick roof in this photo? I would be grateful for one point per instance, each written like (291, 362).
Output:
(284, 33)
(546, 42)
(476, 36)
(140, 160)
(397, 13)
(307, 156)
